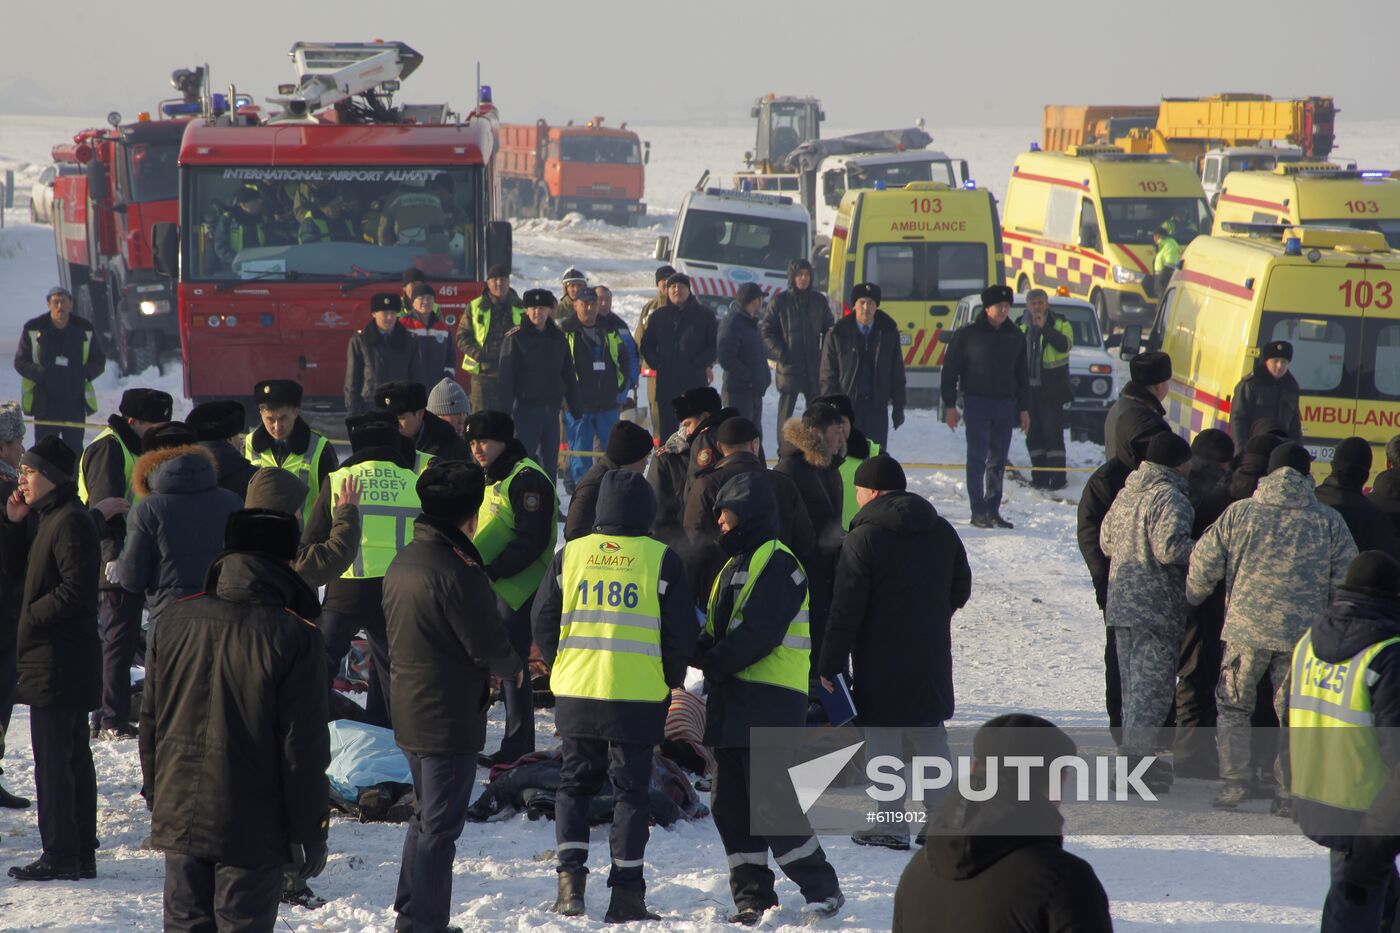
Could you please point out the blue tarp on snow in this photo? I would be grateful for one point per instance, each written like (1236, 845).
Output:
(362, 756)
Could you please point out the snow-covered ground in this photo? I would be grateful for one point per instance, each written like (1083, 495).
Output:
(1029, 640)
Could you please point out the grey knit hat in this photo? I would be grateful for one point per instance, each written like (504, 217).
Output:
(11, 422)
(448, 398)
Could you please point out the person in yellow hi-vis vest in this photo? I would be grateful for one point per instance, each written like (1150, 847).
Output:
(385, 468)
(104, 472)
(859, 449)
(515, 533)
(754, 654)
(1343, 735)
(616, 625)
(283, 439)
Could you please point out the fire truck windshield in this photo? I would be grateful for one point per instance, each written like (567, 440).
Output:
(332, 222)
(153, 171)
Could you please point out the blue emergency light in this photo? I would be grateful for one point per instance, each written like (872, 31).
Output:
(1374, 174)
(1035, 147)
(485, 95)
(1293, 246)
(180, 108)
(970, 185)
(879, 186)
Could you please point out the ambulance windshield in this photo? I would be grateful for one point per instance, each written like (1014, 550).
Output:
(926, 271)
(1132, 220)
(899, 174)
(741, 239)
(328, 223)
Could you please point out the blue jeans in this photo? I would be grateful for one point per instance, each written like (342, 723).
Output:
(582, 432)
(989, 423)
(442, 785)
(1341, 916)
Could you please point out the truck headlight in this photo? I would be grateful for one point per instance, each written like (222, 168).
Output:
(150, 307)
(1125, 276)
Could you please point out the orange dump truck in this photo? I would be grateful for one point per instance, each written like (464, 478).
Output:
(551, 171)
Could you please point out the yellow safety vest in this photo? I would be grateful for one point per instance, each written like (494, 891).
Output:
(613, 343)
(1050, 358)
(26, 386)
(610, 626)
(786, 665)
(495, 528)
(847, 469)
(305, 467)
(128, 464)
(479, 319)
(1336, 758)
(388, 507)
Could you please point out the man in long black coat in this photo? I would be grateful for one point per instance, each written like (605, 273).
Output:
(863, 360)
(681, 344)
(903, 572)
(58, 654)
(234, 747)
(446, 639)
(792, 329)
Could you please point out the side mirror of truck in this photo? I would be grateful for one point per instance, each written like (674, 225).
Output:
(97, 178)
(662, 253)
(962, 167)
(165, 249)
(1131, 344)
(498, 244)
(646, 153)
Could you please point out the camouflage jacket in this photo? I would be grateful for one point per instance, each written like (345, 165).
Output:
(1282, 555)
(1147, 538)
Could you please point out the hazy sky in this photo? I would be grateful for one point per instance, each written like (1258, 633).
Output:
(872, 63)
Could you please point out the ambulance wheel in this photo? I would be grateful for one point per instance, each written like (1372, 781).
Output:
(1023, 285)
(1100, 304)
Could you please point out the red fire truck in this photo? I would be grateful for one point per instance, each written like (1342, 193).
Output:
(549, 171)
(102, 220)
(278, 293)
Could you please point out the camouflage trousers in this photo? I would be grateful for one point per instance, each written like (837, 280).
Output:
(1147, 661)
(1243, 667)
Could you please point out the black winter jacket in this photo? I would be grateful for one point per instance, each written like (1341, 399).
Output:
(372, 359)
(11, 585)
(1385, 495)
(625, 509)
(903, 572)
(440, 440)
(734, 706)
(816, 474)
(233, 741)
(1370, 527)
(1258, 396)
(703, 553)
(60, 388)
(583, 505)
(1357, 619)
(1137, 408)
(173, 533)
(1209, 492)
(667, 474)
(792, 328)
(536, 368)
(594, 389)
(841, 356)
(342, 595)
(104, 469)
(1002, 868)
(987, 361)
(231, 469)
(57, 649)
(741, 355)
(446, 639)
(680, 343)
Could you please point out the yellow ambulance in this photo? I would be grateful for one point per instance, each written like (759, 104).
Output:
(1313, 193)
(927, 245)
(1333, 293)
(1083, 219)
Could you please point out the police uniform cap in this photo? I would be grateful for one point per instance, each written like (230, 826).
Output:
(268, 532)
(218, 420)
(735, 431)
(451, 490)
(278, 393)
(1150, 368)
(997, 295)
(168, 435)
(386, 301)
(865, 290)
(401, 397)
(701, 400)
(539, 298)
(376, 429)
(1277, 350)
(498, 271)
(150, 405)
(489, 426)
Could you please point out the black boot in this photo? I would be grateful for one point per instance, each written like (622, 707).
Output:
(569, 903)
(44, 870)
(10, 802)
(628, 904)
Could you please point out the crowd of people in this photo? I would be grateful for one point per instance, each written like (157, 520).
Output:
(1221, 572)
